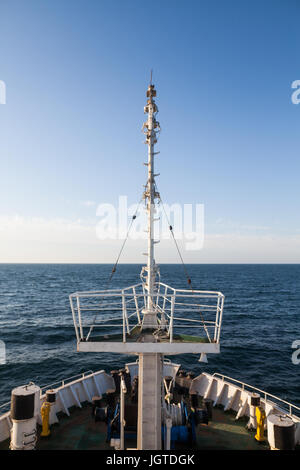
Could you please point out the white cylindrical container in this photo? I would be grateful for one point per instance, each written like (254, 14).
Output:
(51, 398)
(281, 432)
(253, 401)
(23, 435)
(25, 402)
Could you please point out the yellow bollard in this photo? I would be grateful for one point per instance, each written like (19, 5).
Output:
(45, 413)
(260, 419)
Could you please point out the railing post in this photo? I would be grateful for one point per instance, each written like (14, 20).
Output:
(79, 317)
(164, 302)
(74, 319)
(217, 319)
(144, 294)
(158, 294)
(124, 319)
(220, 320)
(171, 319)
(136, 306)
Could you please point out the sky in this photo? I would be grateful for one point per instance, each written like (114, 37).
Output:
(76, 73)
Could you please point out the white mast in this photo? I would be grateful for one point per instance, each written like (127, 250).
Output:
(150, 363)
(151, 127)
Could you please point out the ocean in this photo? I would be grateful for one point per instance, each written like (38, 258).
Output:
(260, 322)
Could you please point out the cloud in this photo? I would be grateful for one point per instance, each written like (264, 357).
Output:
(56, 230)
(87, 203)
(234, 226)
(61, 240)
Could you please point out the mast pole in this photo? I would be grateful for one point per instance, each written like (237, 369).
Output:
(150, 201)
(151, 125)
(150, 363)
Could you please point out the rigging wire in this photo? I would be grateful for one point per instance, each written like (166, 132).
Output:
(189, 281)
(116, 263)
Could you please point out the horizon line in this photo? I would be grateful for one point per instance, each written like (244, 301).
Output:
(160, 264)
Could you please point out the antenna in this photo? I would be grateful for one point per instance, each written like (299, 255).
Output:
(151, 71)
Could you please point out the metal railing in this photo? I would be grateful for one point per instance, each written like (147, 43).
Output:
(64, 382)
(293, 410)
(119, 311)
(4, 408)
(61, 383)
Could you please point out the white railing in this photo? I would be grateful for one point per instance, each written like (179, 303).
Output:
(293, 410)
(4, 407)
(60, 383)
(119, 311)
(63, 382)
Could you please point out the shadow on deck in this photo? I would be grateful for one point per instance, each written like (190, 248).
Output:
(224, 432)
(75, 432)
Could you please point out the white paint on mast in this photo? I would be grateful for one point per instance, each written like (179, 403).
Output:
(150, 202)
(150, 128)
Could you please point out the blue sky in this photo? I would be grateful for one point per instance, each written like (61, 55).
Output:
(70, 132)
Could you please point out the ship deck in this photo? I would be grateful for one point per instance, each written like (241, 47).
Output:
(141, 341)
(80, 432)
(140, 338)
